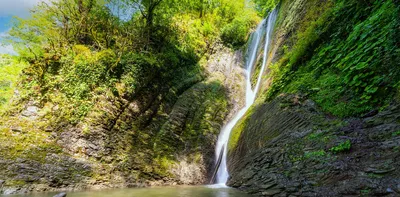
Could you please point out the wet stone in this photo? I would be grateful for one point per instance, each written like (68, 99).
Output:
(63, 194)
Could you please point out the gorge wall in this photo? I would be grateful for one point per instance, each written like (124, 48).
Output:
(316, 128)
(287, 147)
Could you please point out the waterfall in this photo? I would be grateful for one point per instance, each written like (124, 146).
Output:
(252, 52)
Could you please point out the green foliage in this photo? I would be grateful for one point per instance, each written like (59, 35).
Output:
(315, 154)
(10, 69)
(266, 6)
(235, 34)
(397, 133)
(79, 50)
(365, 192)
(321, 137)
(342, 147)
(348, 64)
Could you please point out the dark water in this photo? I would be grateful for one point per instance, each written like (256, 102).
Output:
(181, 191)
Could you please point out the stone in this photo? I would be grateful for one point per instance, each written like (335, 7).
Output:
(370, 164)
(48, 129)
(271, 192)
(9, 191)
(397, 188)
(267, 186)
(31, 112)
(62, 194)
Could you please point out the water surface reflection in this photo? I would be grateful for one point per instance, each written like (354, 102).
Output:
(180, 191)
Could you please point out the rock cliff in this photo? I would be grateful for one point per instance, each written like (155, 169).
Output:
(287, 147)
(163, 136)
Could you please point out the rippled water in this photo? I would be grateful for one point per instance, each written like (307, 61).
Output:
(181, 191)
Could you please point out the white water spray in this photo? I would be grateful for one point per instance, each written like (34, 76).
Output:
(253, 50)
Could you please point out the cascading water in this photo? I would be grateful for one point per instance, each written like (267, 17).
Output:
(253, 49)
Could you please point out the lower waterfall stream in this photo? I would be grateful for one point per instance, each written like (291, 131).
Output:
(252, 52)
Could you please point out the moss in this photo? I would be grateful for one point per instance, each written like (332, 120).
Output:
(375, 176)
(397, 133)
(238, 129)
(86, 130)
(315, 154)
(12, 183)
(365, 192)
(163, 165)
(342, 147)
(336, 58)
(29, 141)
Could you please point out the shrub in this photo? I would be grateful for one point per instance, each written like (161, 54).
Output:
(235, 33)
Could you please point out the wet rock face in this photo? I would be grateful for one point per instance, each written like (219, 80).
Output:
(304, 153)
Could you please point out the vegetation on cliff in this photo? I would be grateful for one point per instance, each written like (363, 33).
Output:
(79, 49)
(343, 54)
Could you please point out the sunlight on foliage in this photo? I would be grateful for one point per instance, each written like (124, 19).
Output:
(346, 62)
(10, 70)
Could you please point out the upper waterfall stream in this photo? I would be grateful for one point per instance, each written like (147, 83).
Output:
(252, 53)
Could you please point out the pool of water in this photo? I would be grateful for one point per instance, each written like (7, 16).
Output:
(179, 191)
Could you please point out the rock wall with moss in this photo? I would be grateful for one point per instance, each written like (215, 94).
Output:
(288, 147)
(160, 137)
(325, 122)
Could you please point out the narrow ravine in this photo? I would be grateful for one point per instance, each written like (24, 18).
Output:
(265, 28)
